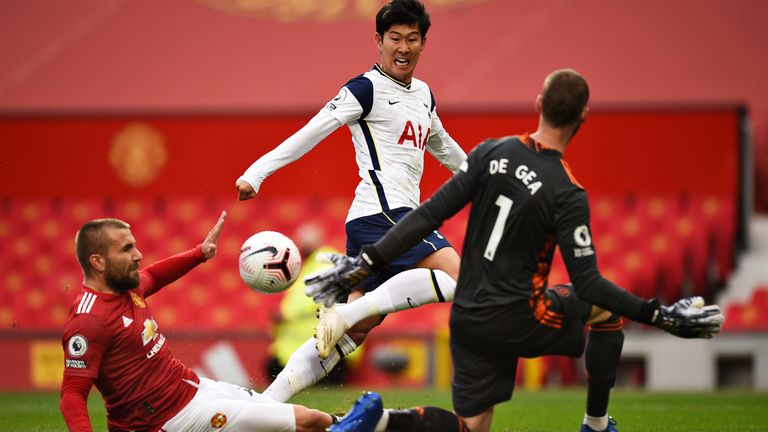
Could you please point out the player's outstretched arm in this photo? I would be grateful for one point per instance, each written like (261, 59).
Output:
(209, 243)
(290, 150)
(168, 270)
(689, 318)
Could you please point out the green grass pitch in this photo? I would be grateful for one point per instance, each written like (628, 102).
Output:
(547, 410)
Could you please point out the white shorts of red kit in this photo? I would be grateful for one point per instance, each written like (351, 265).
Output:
(221, 406)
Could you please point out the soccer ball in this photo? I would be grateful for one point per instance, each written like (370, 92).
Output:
(269, 262)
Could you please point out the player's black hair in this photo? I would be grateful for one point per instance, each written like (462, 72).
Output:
(90, 239)
(408, 12)
(564, 97)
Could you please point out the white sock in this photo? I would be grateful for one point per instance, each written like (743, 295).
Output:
(381, 426)
(596, 423)
(303, 370)
(406, 290)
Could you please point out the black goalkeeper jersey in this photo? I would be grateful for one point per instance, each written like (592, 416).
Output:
(525, 201)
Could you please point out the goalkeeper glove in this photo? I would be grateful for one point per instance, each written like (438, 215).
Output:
(328, 286)
(688, 318)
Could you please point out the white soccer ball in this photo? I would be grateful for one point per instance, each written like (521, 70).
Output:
(269, 262)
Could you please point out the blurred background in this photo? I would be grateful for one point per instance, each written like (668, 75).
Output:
(149, 111)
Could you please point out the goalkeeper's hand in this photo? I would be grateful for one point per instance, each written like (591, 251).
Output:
(689, 318)
(328, 286)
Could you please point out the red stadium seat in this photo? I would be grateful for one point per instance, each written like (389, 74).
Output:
(751, 315)
(717, 214)
(760, 297)
(642, 244)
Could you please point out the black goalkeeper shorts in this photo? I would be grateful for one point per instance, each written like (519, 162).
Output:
(484, 370)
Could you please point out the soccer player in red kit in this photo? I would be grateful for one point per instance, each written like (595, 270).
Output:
(112, 340)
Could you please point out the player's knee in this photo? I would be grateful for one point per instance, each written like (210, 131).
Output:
(478, 423)
(450, 263)
(452, 269)
(598, 315)
(309, 420)
(610, 325)
(445, 259)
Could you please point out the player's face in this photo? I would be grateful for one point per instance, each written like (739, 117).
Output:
(122, 260)
(400, 48)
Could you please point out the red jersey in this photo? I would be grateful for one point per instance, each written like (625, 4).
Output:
(116, 341)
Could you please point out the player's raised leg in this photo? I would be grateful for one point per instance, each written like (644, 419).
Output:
(406, 290)
(304, 369)
(340, 337)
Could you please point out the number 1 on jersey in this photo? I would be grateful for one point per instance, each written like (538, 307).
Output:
(505, 205)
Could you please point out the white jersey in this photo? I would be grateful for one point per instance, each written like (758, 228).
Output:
(392, 123)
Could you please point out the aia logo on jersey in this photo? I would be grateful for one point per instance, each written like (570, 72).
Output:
(138, 300)
(150, 331)
(218, 421)
(418, 140)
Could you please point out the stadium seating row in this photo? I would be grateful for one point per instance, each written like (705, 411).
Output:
(751, 315)
(655, 246)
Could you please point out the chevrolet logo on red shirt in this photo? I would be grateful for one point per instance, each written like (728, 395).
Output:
(150, 331)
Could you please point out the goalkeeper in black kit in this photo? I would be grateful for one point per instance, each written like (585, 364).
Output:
(525, 201)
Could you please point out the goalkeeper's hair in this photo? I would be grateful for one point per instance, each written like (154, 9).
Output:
(407, 12)
(564, 97)
(91, 239)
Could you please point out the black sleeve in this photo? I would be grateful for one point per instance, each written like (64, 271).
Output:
(362, 88)
(575, 240)
(446, 202)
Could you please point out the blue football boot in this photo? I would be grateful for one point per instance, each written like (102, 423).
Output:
(363, 415)
(611, 427)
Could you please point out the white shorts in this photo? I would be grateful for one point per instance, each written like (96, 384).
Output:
(221, 406)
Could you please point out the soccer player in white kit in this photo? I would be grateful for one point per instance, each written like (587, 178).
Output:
(393, 120)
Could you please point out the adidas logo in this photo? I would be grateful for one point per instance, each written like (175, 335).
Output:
(127, 321)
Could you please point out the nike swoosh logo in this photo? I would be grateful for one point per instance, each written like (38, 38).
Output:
(408, 299)
(392, 103)
(271, 249)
